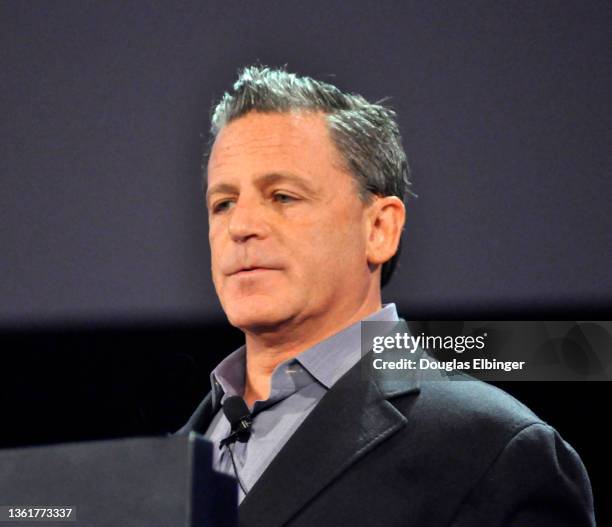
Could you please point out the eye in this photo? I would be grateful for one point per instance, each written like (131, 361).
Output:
(281, 197)
(221, 206)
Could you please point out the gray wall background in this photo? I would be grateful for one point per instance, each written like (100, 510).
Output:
(504, 108)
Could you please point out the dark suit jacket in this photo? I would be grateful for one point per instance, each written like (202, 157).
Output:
(424, 453)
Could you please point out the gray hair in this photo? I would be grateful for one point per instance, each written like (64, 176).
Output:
(366, 134)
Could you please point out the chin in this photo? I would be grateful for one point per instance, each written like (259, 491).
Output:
(256, 313)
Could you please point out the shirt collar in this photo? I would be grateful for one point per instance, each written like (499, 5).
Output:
(228, 377)
(331, 358)
(326, 361)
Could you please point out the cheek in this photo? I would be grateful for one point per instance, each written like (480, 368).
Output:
(216, 250)
(332, 248)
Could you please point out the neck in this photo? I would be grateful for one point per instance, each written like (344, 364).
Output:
(266, 350)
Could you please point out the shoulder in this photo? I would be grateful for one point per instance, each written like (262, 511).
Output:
(468, 400)
(467, 419)
(506, 461)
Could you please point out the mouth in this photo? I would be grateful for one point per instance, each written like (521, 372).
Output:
(251, 271)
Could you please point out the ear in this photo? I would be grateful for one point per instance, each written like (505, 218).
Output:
(385, 222)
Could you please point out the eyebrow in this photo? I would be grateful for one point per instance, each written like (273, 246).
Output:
(263, 181)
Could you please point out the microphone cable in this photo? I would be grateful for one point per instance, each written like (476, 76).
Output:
(237, 413)
(231, 453)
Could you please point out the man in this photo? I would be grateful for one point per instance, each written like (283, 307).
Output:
(305, 194)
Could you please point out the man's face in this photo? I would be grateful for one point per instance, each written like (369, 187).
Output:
(287, 227)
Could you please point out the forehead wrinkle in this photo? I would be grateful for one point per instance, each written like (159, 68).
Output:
(238, 147)
(274, 141)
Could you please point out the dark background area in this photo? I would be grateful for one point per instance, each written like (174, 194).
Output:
(504, 108)
(109, 324)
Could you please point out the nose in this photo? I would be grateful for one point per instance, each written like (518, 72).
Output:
(247, 220)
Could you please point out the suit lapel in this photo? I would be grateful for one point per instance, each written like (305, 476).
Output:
(352, 418)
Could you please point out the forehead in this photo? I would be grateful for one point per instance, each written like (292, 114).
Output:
(274, 141)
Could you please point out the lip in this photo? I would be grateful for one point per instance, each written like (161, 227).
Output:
(252, 271)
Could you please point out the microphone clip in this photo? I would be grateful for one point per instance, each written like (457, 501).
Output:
(241, 431)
